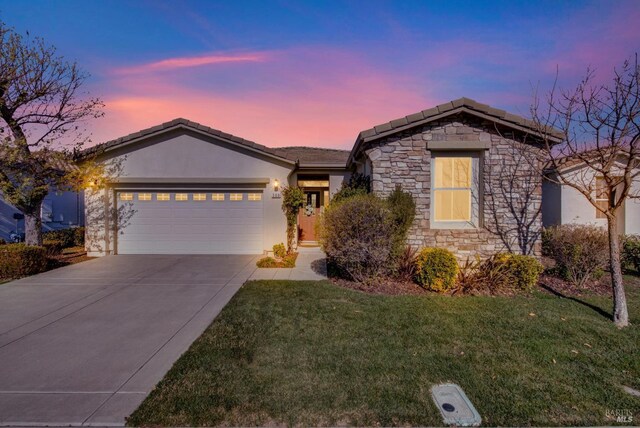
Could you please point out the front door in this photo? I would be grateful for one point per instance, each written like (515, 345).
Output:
(308, 216)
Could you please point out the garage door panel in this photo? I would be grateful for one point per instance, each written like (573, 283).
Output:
(192, 227)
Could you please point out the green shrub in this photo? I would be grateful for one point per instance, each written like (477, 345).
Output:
(78, 236)
(292, 201)
(53, 247)
(357, 234)
(18, 260)
(68, 237)
(288, 261)
(358, 185)
(436, 269)
(631, 253)
(403, 212)
(279, 250)
(522, 272)
(581, 252)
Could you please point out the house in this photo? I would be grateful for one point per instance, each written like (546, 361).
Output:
(564, 204)
(60, 210)
(186, 188)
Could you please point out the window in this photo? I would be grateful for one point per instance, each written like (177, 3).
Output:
(163, 197)
(255, 196)
(199, 196)
(144, 196)
(126, 196)
(602, 197)
(181, 197)
(453, 189)
(235, 196)
(217, 196)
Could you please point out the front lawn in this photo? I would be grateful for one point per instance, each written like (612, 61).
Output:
(311, 353)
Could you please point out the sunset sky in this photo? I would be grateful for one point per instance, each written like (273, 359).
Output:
(316, 73)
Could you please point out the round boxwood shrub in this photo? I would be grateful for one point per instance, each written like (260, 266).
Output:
(522, 271)
(436, 269)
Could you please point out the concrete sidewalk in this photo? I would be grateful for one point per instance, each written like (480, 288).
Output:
(311, 265)
(84, 345)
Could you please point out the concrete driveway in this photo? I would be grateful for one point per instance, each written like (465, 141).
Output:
(85, 344)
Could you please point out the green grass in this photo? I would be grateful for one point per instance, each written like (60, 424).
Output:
(310, 353)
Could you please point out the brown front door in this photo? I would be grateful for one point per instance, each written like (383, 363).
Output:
(308, 215)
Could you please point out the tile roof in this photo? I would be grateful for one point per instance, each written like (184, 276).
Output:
(443, 110)
(314, 155)
(177, 123)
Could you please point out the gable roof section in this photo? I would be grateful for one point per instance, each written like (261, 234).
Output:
(315, 156)
(181, 123)
(461, 105)
(577, 160)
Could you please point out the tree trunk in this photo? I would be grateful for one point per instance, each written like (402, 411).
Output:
(620, 312)
(33, 226)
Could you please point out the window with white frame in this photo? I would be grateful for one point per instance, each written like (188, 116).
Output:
(453, 193)
(602, 197)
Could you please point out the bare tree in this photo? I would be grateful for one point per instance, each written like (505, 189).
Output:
(42, 111)
(600, 127)
(513, 195)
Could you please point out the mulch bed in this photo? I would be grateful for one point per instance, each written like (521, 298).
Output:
(386, 287)
(554, 285)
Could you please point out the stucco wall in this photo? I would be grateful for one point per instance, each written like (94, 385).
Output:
(576, 209)
(403, 158)
(195, 158)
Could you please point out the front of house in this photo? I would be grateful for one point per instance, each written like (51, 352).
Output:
(183, 188)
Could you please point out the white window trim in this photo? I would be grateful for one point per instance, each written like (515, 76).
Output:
(476, 200)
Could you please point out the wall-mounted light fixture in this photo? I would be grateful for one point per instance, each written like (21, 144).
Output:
(276, 185)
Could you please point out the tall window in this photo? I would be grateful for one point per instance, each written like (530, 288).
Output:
(602, 197)
(453, 189)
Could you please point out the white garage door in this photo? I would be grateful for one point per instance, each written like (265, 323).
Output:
(196, 222)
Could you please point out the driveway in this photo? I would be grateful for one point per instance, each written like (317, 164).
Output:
(85, 344)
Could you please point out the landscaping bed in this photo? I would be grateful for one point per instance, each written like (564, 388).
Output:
(311, 353)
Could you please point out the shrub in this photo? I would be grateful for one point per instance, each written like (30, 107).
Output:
(2, 241)
(67, 237)
(17, 260)
(436, 269)
(279, 250)
(581, 252)
(292, 201)
(78, 236)
(358, 185)
(406, 264)
(288, 261)
(522, 272)
(403, 212)
(53, 247)
(357, 234)
(631, 252)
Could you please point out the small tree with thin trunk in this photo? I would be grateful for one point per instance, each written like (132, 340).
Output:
(42, 112)
(600, 152)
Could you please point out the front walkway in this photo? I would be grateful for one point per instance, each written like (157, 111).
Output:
(311, 265)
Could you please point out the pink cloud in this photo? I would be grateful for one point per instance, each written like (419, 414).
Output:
(187, 62)
(314, 97)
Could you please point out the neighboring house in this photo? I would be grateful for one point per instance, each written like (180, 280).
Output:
(59, 211)
(564, 204)
(184, 188)
(187, 188)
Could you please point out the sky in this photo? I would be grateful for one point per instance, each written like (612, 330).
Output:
(315, 73)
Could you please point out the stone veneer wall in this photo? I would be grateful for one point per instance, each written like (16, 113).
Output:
(404, 159)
